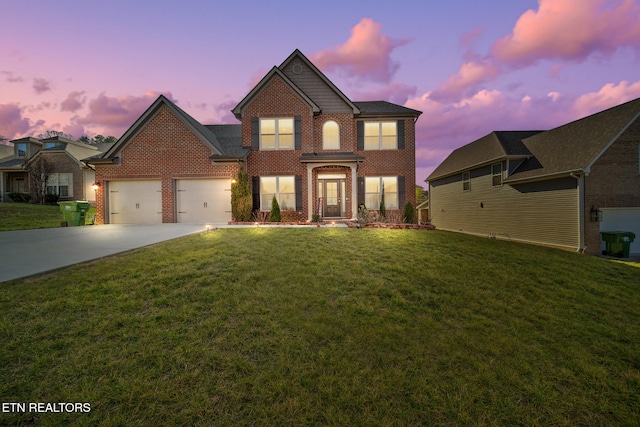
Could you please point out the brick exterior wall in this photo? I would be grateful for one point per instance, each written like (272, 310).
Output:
(614, 181)
(63, 163)
(166, 149)
(277, 99)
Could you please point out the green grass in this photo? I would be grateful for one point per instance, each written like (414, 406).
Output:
(327, 327)
(25, 216)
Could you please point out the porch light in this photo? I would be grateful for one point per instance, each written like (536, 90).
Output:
(596, 214)
(95, 186)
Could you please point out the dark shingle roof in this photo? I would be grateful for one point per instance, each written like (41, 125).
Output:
(574, 146)
(384, 108)
(490, 148)
(230, 139)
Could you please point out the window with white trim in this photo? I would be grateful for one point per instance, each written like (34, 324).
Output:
(60, 184)
(330, 136)
(22, 150)
(282, 187)
(466, 181)
(374, 186)
(381, 135)
(276, 134)
(496, 174)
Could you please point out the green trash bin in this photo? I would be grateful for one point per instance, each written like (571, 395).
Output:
(74, 213)
(618, 243)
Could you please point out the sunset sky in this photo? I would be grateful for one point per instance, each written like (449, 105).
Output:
(92, 67)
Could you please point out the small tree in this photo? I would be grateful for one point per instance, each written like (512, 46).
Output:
(241, 198)
(274, 216)
(383, 208)
(39, 171)
(409, 213)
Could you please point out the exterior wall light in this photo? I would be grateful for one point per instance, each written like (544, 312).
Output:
(596, 214)
(95, 186)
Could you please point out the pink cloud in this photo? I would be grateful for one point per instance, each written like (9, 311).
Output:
(11, 78)
(468, 77)
(74, 102)
(366, 54)
(116, 115)
(570, 29)
(608, 96)
(12, 123)
(41, 86)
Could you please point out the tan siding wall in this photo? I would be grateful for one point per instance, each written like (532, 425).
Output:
(543, 213)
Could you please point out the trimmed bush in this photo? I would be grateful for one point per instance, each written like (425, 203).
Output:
(20, 197)
(409, 213)
(274, 216)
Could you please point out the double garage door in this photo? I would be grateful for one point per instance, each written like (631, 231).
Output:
(196, 201)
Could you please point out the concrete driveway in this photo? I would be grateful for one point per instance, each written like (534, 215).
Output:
(29, 252)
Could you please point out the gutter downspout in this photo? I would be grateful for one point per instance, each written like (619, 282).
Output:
(581, 240)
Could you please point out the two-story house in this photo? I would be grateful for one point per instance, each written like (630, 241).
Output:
(300, 139)
(70, 178)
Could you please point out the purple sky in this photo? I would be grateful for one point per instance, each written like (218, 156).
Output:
(92, 67)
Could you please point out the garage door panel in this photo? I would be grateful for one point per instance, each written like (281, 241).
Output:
(203, 200)
(135, 202)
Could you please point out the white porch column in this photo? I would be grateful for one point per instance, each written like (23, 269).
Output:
(354, 192)
(309, 191)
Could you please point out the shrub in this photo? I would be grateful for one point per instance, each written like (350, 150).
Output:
(260, 216)
(20, 197)
(51, 199)
(383, 208)
(409, 213)
(274, 216)
(241, 198)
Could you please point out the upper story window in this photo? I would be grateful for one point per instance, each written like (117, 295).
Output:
(276, 134)
(330, 136)
(496, 174)
(49, 145)
(22, 150)
(380, 135)
(466, 181)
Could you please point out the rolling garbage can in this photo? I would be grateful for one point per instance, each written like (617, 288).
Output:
(618, 243)
(74, 212)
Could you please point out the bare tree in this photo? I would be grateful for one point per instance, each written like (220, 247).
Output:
(39, 172)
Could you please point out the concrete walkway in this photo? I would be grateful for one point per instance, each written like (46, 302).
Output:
(29, 252)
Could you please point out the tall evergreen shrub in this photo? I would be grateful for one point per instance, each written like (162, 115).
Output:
(241, 198)
(274, 216)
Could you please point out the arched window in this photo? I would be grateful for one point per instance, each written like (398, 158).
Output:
(330, 136)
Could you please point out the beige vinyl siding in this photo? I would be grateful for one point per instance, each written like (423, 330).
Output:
(545, 212)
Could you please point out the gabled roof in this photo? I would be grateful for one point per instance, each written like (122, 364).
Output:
(570, 148)
(574, 147)
(296, 54)
(275, 71)
(78, 151)
(494, 147)
(230, 138)
(204, 134)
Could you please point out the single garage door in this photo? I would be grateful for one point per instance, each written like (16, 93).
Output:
(203, 201)
(622, 219)
(135, 202)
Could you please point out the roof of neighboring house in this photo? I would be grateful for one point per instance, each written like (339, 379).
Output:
(6, 151)
(569, 148)
(384, 108)
(12, 164)
(77, 150)
(577, 145)
(491, 148)
(206, 134)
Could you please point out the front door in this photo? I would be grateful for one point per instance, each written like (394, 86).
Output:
(332, 198)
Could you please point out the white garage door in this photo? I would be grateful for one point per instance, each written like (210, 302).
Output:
(203, 200)
(135, 202)
(622, 219)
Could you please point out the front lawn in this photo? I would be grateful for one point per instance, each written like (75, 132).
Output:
(25, 216)
(325, 326)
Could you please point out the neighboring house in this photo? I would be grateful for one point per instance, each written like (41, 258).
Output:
(300, 139)
(559, 188)
(71, 177)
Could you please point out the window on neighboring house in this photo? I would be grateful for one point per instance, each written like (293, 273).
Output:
(466, 181)
(380, 135)
(282, 187)
(276, 134)
(373, 188)
(22, 150)
(330, 136)
(60, 184)
(48, 145)
(496, 174)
